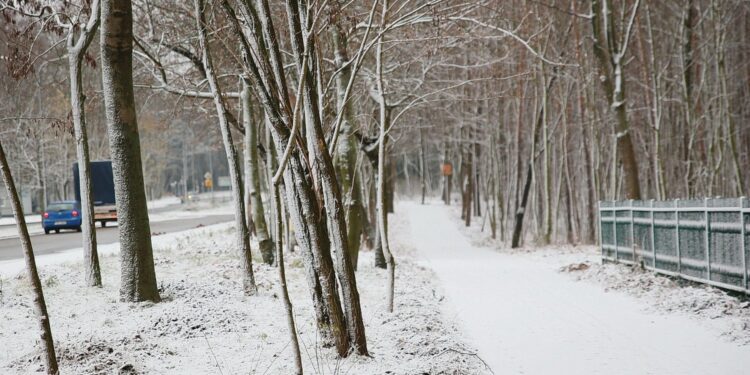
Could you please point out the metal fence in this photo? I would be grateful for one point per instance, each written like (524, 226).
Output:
(706, 241)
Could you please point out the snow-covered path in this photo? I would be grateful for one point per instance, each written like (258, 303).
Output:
(526, 318)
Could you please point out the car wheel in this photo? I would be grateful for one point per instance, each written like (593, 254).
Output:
(57, 231)
(78, 229)
(104, 224)
(46, 231)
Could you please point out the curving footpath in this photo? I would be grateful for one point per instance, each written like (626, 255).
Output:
(525, 318)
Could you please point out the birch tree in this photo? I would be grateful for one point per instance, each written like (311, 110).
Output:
(610, 49)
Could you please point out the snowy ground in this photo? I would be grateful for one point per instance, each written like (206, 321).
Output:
(728, 313)
(205, 325)
(528, 311)
(10, 220)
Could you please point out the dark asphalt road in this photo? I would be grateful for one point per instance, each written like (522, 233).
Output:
(10, 248)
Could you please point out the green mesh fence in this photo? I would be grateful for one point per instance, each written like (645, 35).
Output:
(705, 240)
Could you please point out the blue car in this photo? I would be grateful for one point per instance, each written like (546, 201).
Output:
(62, 215)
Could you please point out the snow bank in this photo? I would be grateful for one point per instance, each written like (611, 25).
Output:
(206, 325)
(729, 314)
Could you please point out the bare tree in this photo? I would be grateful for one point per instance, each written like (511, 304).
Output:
(610, 48)
(78, 37)
(382, 213)
(76, 51)
(242, 234)
(40, 307)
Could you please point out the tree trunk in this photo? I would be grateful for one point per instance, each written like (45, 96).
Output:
(610, 63)
(40, 307)
(467, 183)
(282, 280)
(381, 196)
(301, 200)
(476, 175)
(390, 181)
(324, 171)
(521, 210)
(242, 235)
(346, 153)
(253, 179)
(138, 278)
(314, 245)
(688, 72)
(92, 272)
(422, 170)
(380, 261)
(546, 173)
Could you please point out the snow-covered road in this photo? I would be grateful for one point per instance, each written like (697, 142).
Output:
(526, 318)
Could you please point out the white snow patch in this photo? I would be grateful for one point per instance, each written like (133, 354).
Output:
(163, 202)
(10, 220)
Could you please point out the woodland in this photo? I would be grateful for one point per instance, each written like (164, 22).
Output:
(523, 113)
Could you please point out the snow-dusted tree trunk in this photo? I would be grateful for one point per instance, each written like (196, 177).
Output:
(278, 212)
(609, 50)
(688, 68)
(324, 172)
(138, 278)
(372, 154)
(381, 204)
(521, 209)
(300, 199)
(546, 162)
(467, 180)
(422, 166)
(242, 235)
(346, 152)
(76, 50)
(255, 200)
(40, 307)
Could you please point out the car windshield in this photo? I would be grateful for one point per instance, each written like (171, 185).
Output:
(60, 207)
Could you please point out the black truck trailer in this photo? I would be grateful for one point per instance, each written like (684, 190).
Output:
(103, 189)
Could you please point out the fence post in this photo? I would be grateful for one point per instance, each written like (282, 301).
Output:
(708, 239)
(743, 248)
(677, 234)
(614, 228)
(653, 234)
